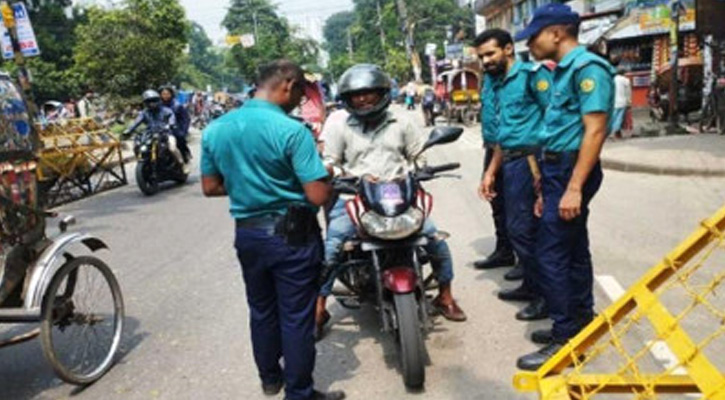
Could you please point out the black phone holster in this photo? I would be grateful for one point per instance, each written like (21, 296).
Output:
(299, 226)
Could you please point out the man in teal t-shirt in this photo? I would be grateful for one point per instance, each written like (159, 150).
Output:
(582, 101)
(268, 165)
(522, 91)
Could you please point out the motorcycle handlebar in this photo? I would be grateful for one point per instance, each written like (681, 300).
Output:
(443, 168)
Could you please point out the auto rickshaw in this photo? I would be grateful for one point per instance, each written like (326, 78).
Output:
(464, 105)
(689, 93)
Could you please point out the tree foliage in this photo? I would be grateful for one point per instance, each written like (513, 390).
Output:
(379, 33)
(275, 37)
(123, 51)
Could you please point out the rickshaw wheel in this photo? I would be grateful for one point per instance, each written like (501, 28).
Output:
(82, 320)
(469, 117)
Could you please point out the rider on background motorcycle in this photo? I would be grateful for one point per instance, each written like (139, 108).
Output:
(156, 116)
(370, 140)
(183, 120)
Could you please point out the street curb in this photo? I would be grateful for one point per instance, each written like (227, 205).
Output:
(623, 166)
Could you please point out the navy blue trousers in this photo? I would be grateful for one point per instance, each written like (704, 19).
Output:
(563, 251)
(281, 285)
(498, 206)
(521, 224)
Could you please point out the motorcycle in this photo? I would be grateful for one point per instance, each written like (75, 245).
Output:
(158, 160)
(384, 263)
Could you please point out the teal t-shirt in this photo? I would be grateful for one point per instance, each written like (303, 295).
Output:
(524, 96)
(583, 84)
(264, 157)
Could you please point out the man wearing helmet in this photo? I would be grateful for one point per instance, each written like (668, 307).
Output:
(156, 115)
(366, 138)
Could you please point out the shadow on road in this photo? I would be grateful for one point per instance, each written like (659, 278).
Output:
(25, 373)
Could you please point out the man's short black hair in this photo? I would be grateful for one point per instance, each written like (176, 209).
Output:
(572, 30)
(501, 37)
(279, 71)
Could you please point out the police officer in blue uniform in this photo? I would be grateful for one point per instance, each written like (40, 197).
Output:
(503, 255)
(582, 102)
(522, 91)
(267, 164)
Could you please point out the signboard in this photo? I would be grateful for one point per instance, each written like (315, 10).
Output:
(248, 40)
(26, 35)
(653, 17)
(430, 49)
(454, 51)
(232, 40)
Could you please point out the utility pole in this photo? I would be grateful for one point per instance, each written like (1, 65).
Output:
(382, 31)
(256, 31)
(350, 50)
(677, 9)
(409, 29)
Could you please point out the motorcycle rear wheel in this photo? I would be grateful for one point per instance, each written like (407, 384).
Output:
(148, 185)
(410, 337)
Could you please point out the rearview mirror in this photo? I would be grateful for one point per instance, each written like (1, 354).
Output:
(442, 135)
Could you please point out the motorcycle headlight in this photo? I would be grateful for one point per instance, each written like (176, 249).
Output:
(144, 148)
(392, 228)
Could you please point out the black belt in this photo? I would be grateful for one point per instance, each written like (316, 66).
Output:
(265, 222)
(555, 157)
(518, 152)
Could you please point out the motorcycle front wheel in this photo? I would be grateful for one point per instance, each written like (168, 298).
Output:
(410, 337)
(145, 179)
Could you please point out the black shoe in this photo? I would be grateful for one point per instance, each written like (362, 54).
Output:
(518, 294)
(535, 311)
(516, 274)
(543, 336)
(534, 361)
(497, 259)
(336, 395)
(272, 389)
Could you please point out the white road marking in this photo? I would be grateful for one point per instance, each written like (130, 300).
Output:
(659, 349)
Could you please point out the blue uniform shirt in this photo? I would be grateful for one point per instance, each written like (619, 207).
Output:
(523, 96)
(583, 84)
(264, 156)
(490, 109)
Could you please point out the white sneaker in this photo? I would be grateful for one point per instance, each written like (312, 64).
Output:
(186, 169)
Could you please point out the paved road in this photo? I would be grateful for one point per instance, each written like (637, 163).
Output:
(187, 334)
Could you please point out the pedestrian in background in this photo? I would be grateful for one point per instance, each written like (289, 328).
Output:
(577, 122)
(622, 102)
(268, 166)
(86, 108)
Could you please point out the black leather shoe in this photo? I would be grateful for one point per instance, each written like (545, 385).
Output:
(543, 336)
(516, 274)
(535, 311)
(518, 294)
(497, 259)
(534, 361)
(272, 389)
(336, 395)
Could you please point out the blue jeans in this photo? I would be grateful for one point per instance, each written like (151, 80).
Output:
(281, 285)
(521, 224)
(563, 251)
(340, 229)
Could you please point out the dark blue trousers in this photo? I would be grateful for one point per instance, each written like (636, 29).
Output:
(498, 206)
(281, 285)
(563, 251)
(521, 224)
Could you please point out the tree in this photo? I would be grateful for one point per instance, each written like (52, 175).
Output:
(379, 32)
(123, 51)
(53, 74)
(274, 37)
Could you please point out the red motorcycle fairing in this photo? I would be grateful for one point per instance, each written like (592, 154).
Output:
(400, 280)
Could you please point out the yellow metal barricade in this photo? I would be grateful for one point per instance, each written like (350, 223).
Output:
(663, 338)
(78, 158)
